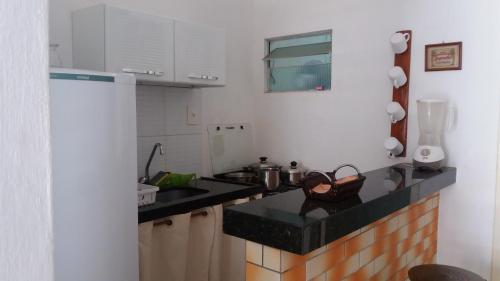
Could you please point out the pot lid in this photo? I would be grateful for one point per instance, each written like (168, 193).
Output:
(263, 164)
(231, 146)
(294, 168)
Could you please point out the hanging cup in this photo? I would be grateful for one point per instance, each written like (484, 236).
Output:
(395, 111)
(393, 147)
(399, 42)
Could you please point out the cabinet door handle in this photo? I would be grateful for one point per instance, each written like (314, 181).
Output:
(143, 71)
(203, 77)
(194, 76)
(135, 71)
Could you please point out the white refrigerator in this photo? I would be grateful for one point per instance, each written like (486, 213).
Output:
(94, 158)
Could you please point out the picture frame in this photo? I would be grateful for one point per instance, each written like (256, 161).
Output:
(443, 57)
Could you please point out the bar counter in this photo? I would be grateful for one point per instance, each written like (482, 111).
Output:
(378, 235)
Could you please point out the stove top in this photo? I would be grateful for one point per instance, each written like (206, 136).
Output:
(251, 181)
(281, 189)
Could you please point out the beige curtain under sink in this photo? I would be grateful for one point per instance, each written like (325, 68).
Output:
(162, 249)
(191, 247)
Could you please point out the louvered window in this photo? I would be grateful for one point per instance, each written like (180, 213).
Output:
(300, 62)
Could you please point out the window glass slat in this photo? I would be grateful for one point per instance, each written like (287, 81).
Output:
(300, 51)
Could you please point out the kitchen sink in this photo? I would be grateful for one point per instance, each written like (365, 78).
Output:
(176, 193)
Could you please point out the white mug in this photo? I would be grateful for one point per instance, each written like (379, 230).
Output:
(393, 147)
(399, 42)
(398, 77)
(395, 111)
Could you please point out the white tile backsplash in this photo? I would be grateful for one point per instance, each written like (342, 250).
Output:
(144, 148)
(162, 111)
(162, 117)
(182, 154)
(176, 104)
(151, 114)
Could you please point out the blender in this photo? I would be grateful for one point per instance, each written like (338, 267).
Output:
(432, 115)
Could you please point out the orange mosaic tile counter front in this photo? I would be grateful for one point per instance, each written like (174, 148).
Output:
(383, 250)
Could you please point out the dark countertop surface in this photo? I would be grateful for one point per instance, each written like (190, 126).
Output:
(289, 222)
(217, 193)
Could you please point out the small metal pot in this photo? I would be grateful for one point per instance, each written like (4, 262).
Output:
(270, 177)
(266, 173)
(294, 174)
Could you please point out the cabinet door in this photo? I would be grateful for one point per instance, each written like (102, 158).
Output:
(141, 44)
(200, 55)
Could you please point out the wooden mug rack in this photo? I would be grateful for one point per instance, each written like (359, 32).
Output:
(399, 130)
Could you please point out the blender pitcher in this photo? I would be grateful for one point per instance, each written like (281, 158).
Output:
(432, 115)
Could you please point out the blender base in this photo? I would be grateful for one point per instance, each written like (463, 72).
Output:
(428, 166)
(428, 157)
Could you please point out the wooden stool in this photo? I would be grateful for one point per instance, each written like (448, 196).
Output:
(435, 272)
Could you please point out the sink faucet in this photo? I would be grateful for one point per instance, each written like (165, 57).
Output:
(146, 178)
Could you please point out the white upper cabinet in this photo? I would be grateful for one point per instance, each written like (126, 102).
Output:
(200, 54)
(116, 40)
(141, 44)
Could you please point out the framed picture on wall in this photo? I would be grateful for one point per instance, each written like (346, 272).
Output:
(441, 57)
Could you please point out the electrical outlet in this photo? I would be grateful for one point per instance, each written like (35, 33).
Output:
(193, 117)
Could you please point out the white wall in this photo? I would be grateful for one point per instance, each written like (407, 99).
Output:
(25, 182)
(495, 271)
(233, 103)
(348, 124)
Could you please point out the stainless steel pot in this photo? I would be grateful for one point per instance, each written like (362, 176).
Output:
(294, 174)
(263, 168)
(246, 177)
(270, 177)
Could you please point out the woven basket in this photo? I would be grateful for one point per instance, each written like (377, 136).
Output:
(338, 191)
